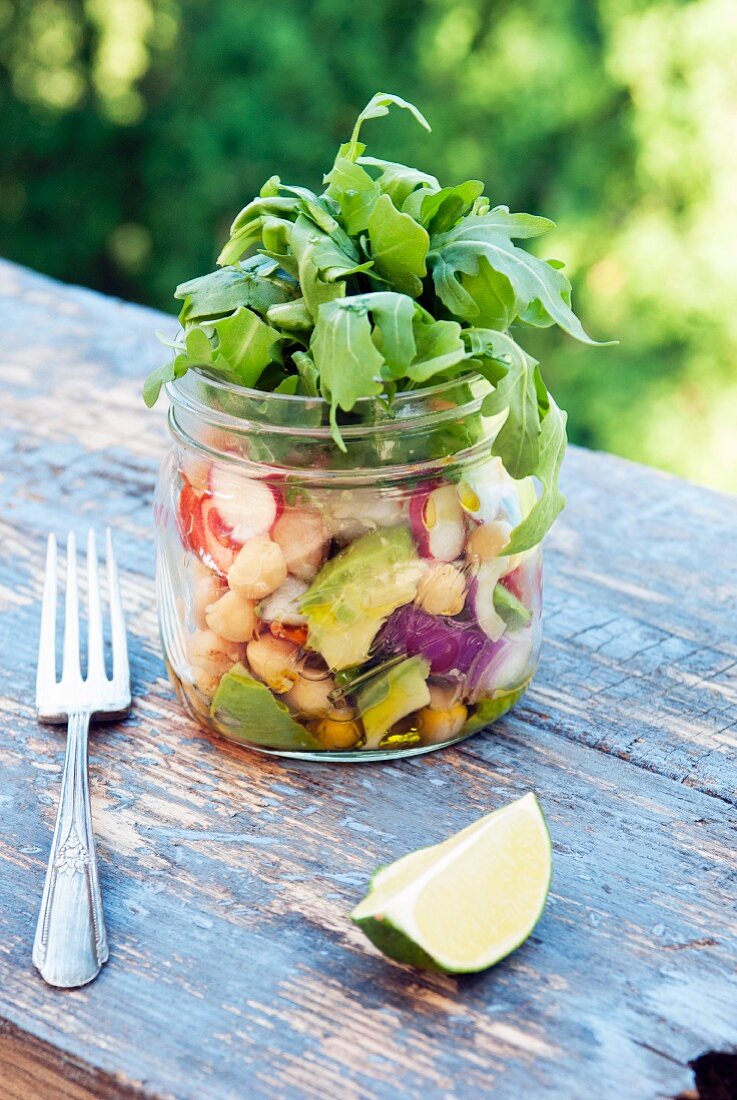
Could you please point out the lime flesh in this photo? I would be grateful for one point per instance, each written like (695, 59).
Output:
(463, 905)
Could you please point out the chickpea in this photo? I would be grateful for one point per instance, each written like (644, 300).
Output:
(259, 568)
(309, 696)
(487, 541)
(337, 732)
(210, 657)
(442, 590)
(443, 696)
(208, 588)
(232, 617)
(303, 540)
(436, 726)
(274, 661)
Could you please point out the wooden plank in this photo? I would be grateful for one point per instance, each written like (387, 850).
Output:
(228, 879)
(30, 1069)
(641, 601)
(228, 876)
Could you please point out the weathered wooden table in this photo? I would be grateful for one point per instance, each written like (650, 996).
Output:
(228, 877)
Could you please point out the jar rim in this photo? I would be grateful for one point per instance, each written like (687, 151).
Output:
(300, 400)
(414, 407)
(421, 431)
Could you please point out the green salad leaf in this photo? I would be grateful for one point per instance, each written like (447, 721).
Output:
(245, 345)
(386, 281)
(511, 370)
(256, 282)
(534, 283)
(552, 502)
(345, 356)
(398, 247)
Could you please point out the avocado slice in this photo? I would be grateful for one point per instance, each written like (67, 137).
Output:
(512, 610)
(391, 696)
(357, 590)
(245, 710)
(489, 710)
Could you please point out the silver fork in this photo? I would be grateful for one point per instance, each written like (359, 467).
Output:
(71, 941)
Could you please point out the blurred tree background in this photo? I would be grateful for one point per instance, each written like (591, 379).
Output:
(133, 130)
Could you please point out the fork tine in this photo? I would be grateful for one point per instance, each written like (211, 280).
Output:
(46, 672)
(121, 674)
(95, 644)
(70, 668)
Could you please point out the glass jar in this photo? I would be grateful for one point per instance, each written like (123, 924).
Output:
(342, 604)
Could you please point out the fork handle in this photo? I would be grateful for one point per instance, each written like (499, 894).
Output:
(71, 942)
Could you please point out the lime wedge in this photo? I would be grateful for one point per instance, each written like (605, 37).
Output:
(463, 905)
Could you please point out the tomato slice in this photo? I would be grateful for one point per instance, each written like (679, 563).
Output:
(296, 634)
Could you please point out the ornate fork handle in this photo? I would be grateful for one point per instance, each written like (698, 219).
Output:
(71, 942)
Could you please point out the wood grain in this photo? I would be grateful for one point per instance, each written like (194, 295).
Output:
(228, 876)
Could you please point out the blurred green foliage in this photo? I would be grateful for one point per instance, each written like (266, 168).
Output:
(133, 130)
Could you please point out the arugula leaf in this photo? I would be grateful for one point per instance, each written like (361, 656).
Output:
(245, 345)
(255, 283)
(197, 352)
(536, 314)
(318, 210)
(552, 502)
(515, 379)
(488, 237)
(322, 262)
(199, 347)
(439, 347)
(289, 385)
(308, 373)
(293, 317)
(398, 181)
(155, 380)
(499, 220)
(346, 175)
(441, 210)
(346, 357)
(355, 191)
(484, 296)
(377, 106)
(246, 229)
(398, 247)
(271, 188)
(393, 335)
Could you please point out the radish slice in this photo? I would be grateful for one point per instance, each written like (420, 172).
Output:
(189, 518)
(505, 668)
(213, 552)
(438, 523)
(246, 507)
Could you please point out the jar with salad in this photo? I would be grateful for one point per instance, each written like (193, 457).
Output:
(348, 526)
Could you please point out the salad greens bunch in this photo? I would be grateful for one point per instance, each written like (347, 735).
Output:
(385, 282)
